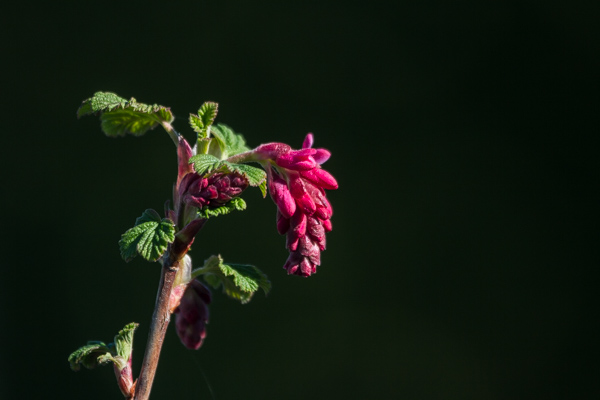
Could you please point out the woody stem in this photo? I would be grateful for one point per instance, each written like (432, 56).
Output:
(159, 324)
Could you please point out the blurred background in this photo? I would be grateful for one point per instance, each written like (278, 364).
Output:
(463, 259)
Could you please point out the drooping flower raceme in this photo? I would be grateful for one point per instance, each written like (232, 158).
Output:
(297, 185)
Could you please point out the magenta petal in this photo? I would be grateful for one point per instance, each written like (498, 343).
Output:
(291, 268)
(292, 262)
(327, 225)
(223, 183)
(299, 191)
(272, 150)
(322, 213)
(282, 197)
(320, 178)
(308, 141)
(210, 193)
(298, 224)
(234, 191)
(303, 152)
(307, 247)
(297, 186)
(292, 162)
(306, 204)
(291, 241)
(315, 228)
(223, 197)
(184, 185)
(283, 223)
(324, 210)
(197, 186)
(194, 201)
(316, 193)
(321, 243)
(326, 180)
(303, 165)
(321, 156)
(306, 268)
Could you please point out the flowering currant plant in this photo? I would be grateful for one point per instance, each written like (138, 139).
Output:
(211, 177)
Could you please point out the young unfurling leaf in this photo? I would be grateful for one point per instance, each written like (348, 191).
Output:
(202, 122)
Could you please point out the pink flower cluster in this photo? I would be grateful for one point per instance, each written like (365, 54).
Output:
(213, 191)
(297, 185)
(193, 192)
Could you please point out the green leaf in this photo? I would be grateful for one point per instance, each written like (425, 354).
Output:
(88, 355)
(120, 122)
(149, 237)
(263, 188)
(206, 164)
(208, 113)
(255, 176)
(102, 101)
(197, 125)
(124, 340)
(202, 122)
(119, 116)
(229, 142)
(239, 281)
(97, 353)
(235, 204)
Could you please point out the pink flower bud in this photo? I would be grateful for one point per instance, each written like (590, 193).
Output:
(320, 178)
(298, 224)
(184, 152)
(281, 196)
(272, 150)
(296, 163)
(308, 141)
(315, 228)
(191, 316)
(321, 156)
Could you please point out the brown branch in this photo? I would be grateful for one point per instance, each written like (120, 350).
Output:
(158, 328)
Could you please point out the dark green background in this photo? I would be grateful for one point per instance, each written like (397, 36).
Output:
(463, 260)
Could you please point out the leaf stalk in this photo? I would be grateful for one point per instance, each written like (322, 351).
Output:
(171, 131)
